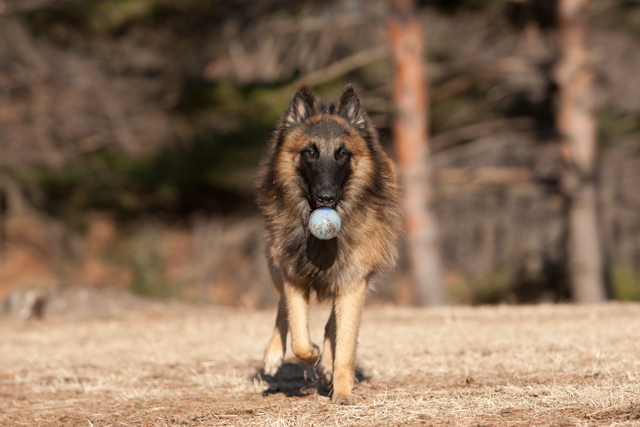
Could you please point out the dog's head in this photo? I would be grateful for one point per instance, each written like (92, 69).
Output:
(325, 144)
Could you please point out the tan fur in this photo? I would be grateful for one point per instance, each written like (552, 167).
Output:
(370, 214)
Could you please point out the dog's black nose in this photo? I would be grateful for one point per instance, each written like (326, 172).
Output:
(326, 197)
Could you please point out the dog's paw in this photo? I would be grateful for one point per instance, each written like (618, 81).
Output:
(313, 357)
(309, 357)
(326, 374)
(343, 399)
(272, 362)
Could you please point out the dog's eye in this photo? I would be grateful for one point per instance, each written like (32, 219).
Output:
(311, 154)
(341, 154)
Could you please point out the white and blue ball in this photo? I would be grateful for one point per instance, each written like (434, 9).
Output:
(324, 223)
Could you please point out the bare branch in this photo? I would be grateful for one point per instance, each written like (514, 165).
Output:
(341, 67)
(484, 176)
(466, 82)
(475, 131)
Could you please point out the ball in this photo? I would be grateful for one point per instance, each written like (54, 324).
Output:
(324, 223)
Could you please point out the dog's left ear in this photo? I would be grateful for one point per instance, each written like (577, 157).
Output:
(350, 109)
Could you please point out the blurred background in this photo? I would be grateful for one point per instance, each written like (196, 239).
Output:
(130, 133)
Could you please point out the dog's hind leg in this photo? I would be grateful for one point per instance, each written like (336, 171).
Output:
(328, 350)
(297, 300)
(348, 310)
(274, 353)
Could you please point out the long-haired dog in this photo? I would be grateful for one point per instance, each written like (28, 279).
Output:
(326, 157)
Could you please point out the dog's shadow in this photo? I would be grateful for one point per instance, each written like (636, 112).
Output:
(295, 379)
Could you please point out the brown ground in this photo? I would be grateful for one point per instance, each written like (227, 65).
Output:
(176, 364)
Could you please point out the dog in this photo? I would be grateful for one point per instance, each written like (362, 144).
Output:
(326, 157)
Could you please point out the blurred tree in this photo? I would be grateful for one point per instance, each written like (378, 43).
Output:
(410, 132)
(577, 128)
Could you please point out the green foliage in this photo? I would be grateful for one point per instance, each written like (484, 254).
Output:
(623, 15)
(148, 266)
(213, 173)
(202, 95)
(113, 17)
(626, 283)
(105, 17)
(480, 288)
(460, 110)
(612, 127)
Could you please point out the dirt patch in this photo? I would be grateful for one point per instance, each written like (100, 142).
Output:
(178, 364)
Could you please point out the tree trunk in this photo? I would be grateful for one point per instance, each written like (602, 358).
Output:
(410, 132)
(577, 128)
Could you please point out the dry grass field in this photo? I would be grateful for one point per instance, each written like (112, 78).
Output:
(160, 364)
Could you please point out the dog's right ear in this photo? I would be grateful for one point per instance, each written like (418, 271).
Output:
(302, 106)
(350, 108)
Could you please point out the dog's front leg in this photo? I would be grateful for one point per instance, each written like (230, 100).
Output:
(348, 310)
(297, 300)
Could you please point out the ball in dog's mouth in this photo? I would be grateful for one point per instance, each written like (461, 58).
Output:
(324, 223)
